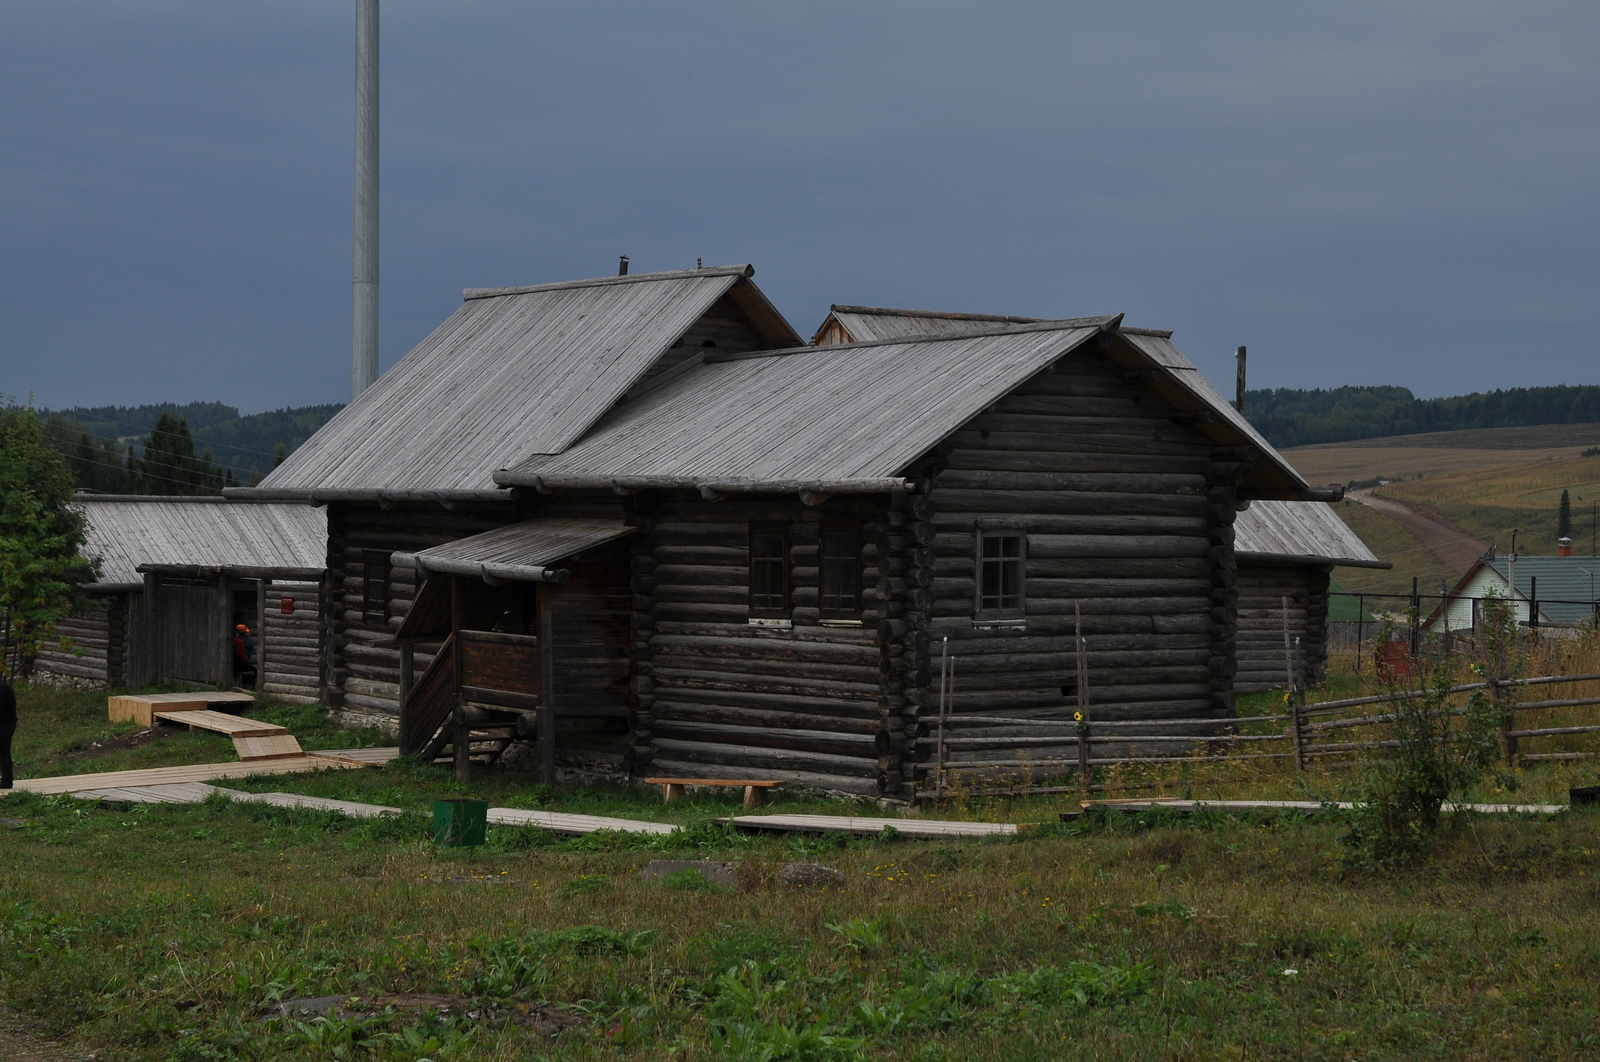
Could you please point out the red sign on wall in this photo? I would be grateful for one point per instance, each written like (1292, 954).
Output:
(287, 606)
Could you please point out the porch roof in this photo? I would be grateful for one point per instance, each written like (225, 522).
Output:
(520, 551)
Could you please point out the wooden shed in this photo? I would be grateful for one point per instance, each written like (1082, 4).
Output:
(752, 557)
(1287, 552)
(177, 573)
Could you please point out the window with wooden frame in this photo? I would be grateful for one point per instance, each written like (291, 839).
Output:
(839, 571)
(769, 571)
(375, 586)
(1002, 564)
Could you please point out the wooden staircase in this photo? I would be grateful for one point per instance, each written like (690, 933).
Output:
(426, 732)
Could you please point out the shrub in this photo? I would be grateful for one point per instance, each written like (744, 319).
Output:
(1436, 751)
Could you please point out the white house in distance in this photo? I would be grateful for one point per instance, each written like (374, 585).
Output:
(1557, 591)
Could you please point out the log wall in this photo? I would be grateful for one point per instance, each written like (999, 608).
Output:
(718, 697)
(359, 674)
(290, 644)
(1262, 589)
(1128, 516)
(98, 631)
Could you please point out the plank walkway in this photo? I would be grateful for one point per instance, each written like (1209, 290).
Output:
(1304, 805)
(862, 826)
(197, 792)
(576, 825)
(195, 772)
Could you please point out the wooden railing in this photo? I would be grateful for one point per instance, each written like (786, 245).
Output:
(977, 744)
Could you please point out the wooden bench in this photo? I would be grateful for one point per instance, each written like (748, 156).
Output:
(755, 791)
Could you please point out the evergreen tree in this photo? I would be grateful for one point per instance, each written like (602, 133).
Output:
(1564, 517)
(40, 538)
(169, 464)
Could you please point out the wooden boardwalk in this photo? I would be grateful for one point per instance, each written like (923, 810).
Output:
(576, 825)
(1299, 805)
(862, 826)
(196, 772)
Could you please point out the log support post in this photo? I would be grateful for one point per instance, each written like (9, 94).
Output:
(460, 736)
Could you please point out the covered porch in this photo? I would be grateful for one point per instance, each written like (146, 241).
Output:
(531, 624)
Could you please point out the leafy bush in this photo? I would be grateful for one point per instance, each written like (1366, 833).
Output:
(1435, 753)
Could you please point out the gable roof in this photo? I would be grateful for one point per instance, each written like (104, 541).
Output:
(1178, 380)
(1566, 594)
(1300, 532)
(830, 418)
(513, 372)
(129, 532)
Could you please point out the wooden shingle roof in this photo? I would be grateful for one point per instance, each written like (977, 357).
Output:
(1309, 532)
(129, 532)
(513, 372)
(828, 419)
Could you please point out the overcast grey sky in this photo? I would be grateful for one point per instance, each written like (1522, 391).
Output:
(1364, 193)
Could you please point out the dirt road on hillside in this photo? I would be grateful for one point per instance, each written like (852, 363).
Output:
(1454, 545)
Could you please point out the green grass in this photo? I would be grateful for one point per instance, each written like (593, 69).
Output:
(161, 932)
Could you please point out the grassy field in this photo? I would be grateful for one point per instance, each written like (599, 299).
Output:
(1394, 542)
(166, 932)
(1487, 481)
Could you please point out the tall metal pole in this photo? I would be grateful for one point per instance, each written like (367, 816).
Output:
(364, 306)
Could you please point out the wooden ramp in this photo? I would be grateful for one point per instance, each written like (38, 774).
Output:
(862, 826)
(252, 739)
(142, 708)
(574, 825)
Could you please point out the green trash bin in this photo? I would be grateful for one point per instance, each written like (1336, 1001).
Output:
(459, 823)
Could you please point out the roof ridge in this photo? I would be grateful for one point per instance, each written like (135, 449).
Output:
(936, 337)
(887, 311)
(746, 270)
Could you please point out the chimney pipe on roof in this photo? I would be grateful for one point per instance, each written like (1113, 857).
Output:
(622, 266)
(1563, 547)
(364, 308)
(1238, 403)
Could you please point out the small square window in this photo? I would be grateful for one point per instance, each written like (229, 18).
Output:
(839, 571)
(769, 570)
(1002, 561)
(375, 586)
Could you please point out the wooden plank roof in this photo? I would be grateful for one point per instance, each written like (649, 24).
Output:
(863, 324)
(129, 532)
(518, 551)
(1181, 382)
(831, 418)
(1300, 531)
(513, 372)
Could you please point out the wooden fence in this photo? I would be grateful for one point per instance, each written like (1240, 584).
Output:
(971, 753)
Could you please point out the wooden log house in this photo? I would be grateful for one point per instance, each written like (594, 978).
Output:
(1286, 550)
(749, 560)
(177, 574)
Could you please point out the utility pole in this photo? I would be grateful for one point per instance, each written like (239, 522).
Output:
(364, 275)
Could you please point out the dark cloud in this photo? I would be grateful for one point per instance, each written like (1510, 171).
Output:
(1364, 193)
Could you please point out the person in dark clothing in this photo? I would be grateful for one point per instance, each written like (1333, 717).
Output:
(8, 729)
(244, 651)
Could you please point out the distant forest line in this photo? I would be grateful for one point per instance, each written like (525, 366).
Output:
(105, 445)
(195, 448)
(1292, 417)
